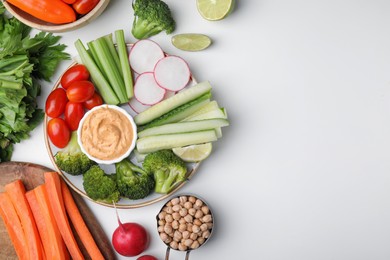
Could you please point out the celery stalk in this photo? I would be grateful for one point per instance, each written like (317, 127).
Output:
(99, 80)
(124, 62)
(93, 55)
(108, 64)
(114, 53)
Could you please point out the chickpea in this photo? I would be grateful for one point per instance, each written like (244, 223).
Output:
(176, 215)
(195, 245)
(207, 218)
(160, 229)
(203, 227)
(198, 203)
(185, 234)
(182, 221)
(192, 211)
(169, 210)
(164, 237)
(188, 242)
(188, 218)
(192, 199)
(169, 204)
(193, 236)
(175, 201)
(188, 205)
(197, 222)
(168, 228)
(198, 214)
(174, 245)
(201, 240)
(195, 228)
(183, 212)
(168, 218)
(183, 199)
(182, 227)
(177, 236)
(205, 210)
(182, 247)
(206, 234)
(162, 214)
(209, 225)
(176, 208)
(175, 224)
(161, 222)
(189, 227)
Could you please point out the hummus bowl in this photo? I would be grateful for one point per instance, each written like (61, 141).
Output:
(107, 134)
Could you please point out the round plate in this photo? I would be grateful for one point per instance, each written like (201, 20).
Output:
(76, 182)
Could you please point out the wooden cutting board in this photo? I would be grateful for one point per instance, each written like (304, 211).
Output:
(32, 176)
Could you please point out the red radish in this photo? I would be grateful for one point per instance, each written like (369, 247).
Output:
(144, 55)
(147, 257)
(137, 106)
(146, 89)
(169, 94)
(130, 239)
(172, 73)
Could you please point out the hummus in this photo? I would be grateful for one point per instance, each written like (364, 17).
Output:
(106, 133)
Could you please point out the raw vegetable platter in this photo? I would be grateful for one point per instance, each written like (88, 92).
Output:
(149, 98)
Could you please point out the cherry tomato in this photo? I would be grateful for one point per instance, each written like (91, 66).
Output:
(56, 102)
(73, 114)
(96, 100)
(75, 73)
(58, 132)
(84, 6)
(80, 91)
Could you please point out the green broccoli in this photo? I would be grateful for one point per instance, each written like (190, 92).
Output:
(150, 18)
(71, 159)
(100, 186)
(168, 169)
(133, 182)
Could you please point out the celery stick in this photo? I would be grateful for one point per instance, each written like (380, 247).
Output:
(113, 75)
(93, 54)
(114, 53)
(124, 61)
(100, 82)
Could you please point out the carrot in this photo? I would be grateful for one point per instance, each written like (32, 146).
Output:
(53, 244)
(16, 192)
(53, 187)
(13, 226)
(79, 224)
(53, 11)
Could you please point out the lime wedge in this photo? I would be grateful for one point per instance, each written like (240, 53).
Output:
(191, 41)
(214, 10)
(194, 153)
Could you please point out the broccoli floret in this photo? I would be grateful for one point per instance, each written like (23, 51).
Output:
(150, 18)
(133, 182)
(71, 159)
(100, 186)
(168, 169)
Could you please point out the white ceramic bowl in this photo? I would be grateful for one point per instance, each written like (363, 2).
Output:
(121, 156)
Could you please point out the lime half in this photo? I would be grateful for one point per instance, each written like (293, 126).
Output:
(194, 153)
(191, 41)
(214, 10)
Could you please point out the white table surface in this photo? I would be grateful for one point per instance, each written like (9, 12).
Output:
(303, 172)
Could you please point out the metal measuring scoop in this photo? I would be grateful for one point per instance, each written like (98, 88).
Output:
(169, 209)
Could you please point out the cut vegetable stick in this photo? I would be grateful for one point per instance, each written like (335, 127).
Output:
(44, 217)
(13, 226)
(53, 188)
(79, 224)
(16, 192)
(124, 62)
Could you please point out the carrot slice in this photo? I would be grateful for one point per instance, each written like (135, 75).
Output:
(53, 187)
(79, 224)
(16, 192)
(13, 226)
(53, 244)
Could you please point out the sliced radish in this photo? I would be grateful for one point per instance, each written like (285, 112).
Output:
(137, 106)
(146, 89)
(172, 73)
(144, 55)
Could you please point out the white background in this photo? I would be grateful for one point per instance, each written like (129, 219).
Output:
(303, 172)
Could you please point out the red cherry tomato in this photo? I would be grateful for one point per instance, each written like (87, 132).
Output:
(147, 257)
(75, 73)
(58, 132)
(96, 100)
(56, 102)
(73, 114)
(84, 6)
(80, 91)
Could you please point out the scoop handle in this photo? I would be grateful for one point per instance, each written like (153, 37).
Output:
(169, 249)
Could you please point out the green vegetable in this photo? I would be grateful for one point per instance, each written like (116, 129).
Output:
(124, 62)
(165, 106)
(71, 159)
(183, 127)
(24, 59)
(168, 141)
(150, 18)
(168, 170)
(133, 182)
(100, 186)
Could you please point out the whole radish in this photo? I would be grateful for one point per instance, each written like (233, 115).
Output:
(130, 239)
(147, 257)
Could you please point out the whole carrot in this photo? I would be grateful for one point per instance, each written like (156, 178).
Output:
(52, 11)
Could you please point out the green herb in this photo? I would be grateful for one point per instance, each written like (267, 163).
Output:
(24, 59)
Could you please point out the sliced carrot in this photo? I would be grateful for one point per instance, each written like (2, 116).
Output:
(53, 244)
(53, 187)
(16, 192)
(13, 226)
(79, 224)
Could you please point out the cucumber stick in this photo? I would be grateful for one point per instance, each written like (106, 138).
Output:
(184, 127)
(173, 102)
(212, 114)
(159, 142)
